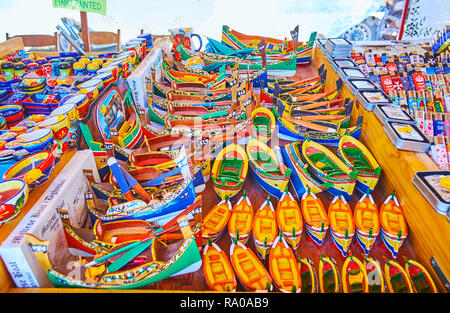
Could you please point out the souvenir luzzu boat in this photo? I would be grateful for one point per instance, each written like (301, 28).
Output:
(35, 169)
(153, 262)
(267, 170)
(354, 276)
(219, 274)
(13, 196)
(366, 218)
(264, 229)
(315, 217)
(263, 124)
(237, 40)
(328, 275)
(301, 180)
(341, 224)
(394, 229)
(289, 219)
(308, 275)
(103, 237)
(249, 269)
(327, 167)
(374, 276)
(357, 156)
(241, 219)
(283, 267)
(419, 276)
(229, 171)
(215, 221)
(397, 280)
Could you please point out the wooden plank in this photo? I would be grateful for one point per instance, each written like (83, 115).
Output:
(85, 32)
(11, 45)
(429, 232)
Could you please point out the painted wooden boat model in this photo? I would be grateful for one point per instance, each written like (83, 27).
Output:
(357, 156)
(289, 219)
(419, 276)
(241, 219)
(249, 269)
(154, 263)
(271, 175)
(315, 217)
(375, 276)
(328, 275)
(327, 167)
(264, 229)
(237, 40)
(354, 276)
(308, 275)
(283, 267)
(229, 171)
(341, 223)
(215, 221)
(219, 274)
(394, 229)
(300, 178)
(397, 280)
(263, 124)
(367, 223)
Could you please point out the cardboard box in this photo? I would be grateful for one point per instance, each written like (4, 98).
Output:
(44, 221)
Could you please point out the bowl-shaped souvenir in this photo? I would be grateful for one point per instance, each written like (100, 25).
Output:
(59, 124)
(34, 169)
(11, 112)
(13, 196)
(8, 136)
(14, 145)
(2, 122)
(37, 140)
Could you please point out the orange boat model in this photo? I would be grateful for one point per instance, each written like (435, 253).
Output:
(264, 228)
(354, 276)
(367, 222)
(283, 266)
(289, 219)
(249, 269)
(215, 221)
(341, 224)
(219, 274)
(393, 225)
(315, 216)
(241, 219)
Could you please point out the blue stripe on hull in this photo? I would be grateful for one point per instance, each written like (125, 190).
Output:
(296, 182)
(267, 187)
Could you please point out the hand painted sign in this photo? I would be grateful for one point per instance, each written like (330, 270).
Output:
(94, 6)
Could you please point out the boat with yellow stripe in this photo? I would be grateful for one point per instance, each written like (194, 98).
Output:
(215, 221)
(241, 219)
(283, 267)
(308, 275)
(219, 274)
(315, 217)
(289, 219)
(367, 223)
(397, 279)
(419, 276)
(264, 228)
(341, 224)
(354, 276)
(328, 275)
(263, 124)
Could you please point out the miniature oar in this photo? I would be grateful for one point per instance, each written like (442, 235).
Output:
(309, 125)
(134, 184)
(121, 181)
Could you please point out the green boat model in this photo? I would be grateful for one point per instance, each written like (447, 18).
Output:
(136, 265)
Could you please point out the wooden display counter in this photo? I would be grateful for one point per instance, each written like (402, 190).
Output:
(429, 232)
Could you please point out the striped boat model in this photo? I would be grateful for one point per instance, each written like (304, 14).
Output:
(283, 267)
(215, 221)
(267, 170)
(315, 217)
(263, 124)
(367, 223)
(397, 279)
(219, 274)
(419, 276)
(249, 269)
(241, 219)
(341, 224)
(354, 276)
(357, 156)
(289, 219)
(328, 275)
(393, 225)
(264, 228)
(229, 171)
(301, 179)
(374, 276)
(327, 167)
(308, 275)
(237, 40)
